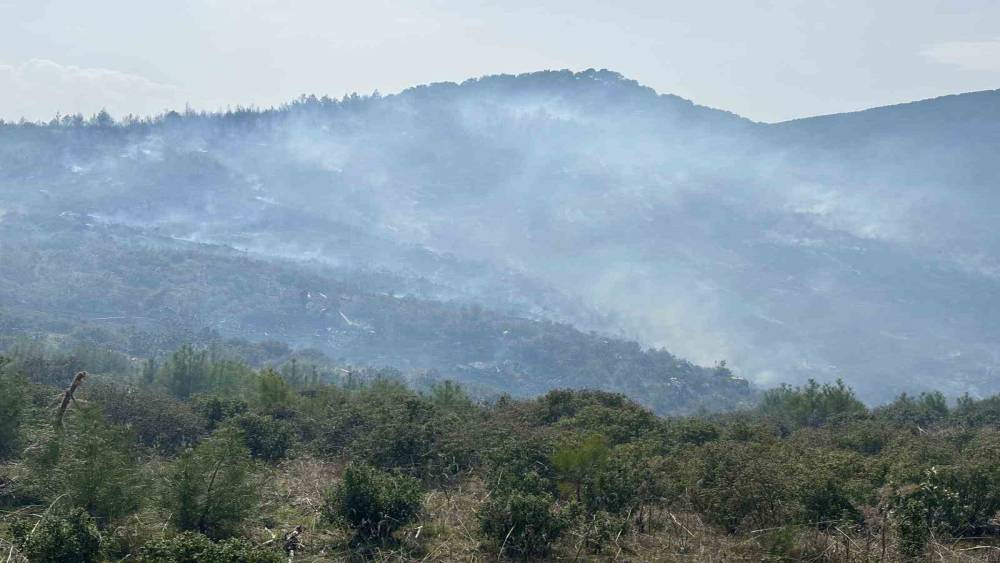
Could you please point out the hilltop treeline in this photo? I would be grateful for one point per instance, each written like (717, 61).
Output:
(199, 457)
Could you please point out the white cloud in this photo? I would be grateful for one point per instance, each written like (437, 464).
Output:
(38, 88)
(967, 55)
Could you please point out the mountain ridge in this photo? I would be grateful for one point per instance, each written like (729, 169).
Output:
(783, 249)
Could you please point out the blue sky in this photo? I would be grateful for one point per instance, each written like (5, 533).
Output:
(767, 60)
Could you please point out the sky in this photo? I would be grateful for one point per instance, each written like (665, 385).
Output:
(766, 60)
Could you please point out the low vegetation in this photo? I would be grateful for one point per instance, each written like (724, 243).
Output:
(257, 464)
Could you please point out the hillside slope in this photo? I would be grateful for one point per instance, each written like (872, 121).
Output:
(138, 293)
(858, 246)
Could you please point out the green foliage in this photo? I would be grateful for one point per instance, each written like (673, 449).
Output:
(956, 501)
(911, 525)
(798, 471)
(70, 536)
(450, 396)
(391, 427)
(12, 398)
(190, 547)
(158, 420)
(210, 489)
(216, 409)
(626, 480)
(521, 524)
(274, 395)
(92, 464)
(973, 413)
(924, 410)
(617, 418)
(741, 486)
(692, 431)
(865, 437)
(522, 465)
(565, 403)
(828, 503)
(812, 404)
(266, 438)
(373, 503)
(189, 372)
(578, 463)
(185, 373)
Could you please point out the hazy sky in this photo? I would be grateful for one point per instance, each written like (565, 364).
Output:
(767, 60)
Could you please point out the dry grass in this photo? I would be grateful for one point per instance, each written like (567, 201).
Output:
(447, 530)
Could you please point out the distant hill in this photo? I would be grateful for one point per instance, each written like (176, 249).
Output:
(145, 295)
(858, 246)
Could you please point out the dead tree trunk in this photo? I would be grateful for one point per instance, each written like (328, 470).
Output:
(68, 397)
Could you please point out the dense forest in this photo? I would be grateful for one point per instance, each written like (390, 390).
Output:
(195, 456)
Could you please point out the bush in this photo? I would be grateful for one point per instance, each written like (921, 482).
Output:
(69, 537)
(692, 431)
(736, 485)
(577, 464)
(274, 395)
(93, 464)
(157, 419)
(827, 503)
(267, 439)
(391, 427)
(216, 409)
(373, 503)
(812, 404)
(521, 524)
(959, 500)
(623, 483)
(522, 465)
(189, 547)
(209, 488)
(924, 410)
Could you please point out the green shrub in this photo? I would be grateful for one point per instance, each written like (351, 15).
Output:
(274, 395)
(924, 410)
(157, 419)
(190, 547)
(735, 485)
(373, 503)
(812, 404)
(391, 427)
(521, 524)
(827, 503)
(623, 483)
(59, 537)
(522, 465)
(692, 431)
(911, 526)
(450, 396)
(91, 463)
(578, 463)
(266, 438)
(209, 489)
(217, 409)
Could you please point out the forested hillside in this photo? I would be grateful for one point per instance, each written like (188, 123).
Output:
(858, 246)
(69, 282)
